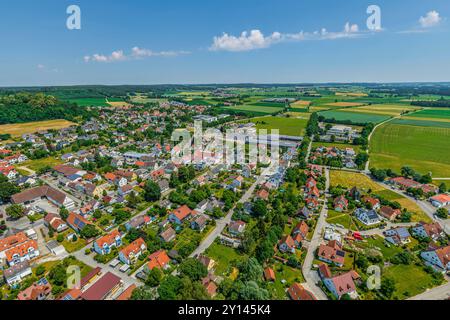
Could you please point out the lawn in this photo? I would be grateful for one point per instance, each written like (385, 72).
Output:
(403, 274)
(354, 117)
(286, 126)
(420, 147)
(225, 257)
(18, 129)
(352, 179)
(341, 218)
(289, 274)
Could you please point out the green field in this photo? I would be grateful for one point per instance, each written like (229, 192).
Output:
(422, 148)
(286, 126)
(88, 102)
(254, 109)
(402, 275)
(442, 113)
(421, 122)
(355, 117)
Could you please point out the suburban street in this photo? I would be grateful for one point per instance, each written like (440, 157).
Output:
(221, 223)
(311, 276)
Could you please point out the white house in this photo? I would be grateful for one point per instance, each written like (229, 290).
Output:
(440, 200)
(368, 217)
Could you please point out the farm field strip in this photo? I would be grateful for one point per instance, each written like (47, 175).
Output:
(355, 117)
(18, 129)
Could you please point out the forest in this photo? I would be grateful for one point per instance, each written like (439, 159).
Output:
(27, 107)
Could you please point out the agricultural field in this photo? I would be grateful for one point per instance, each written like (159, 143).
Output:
(345, 104)
(352, 179)
(286, 126)
(384, 109)
(39, 164)
(442, 114)
(355, 117)
(253, 109)
(351, 94)
(18, 129)
(394, 145)
(90, 102)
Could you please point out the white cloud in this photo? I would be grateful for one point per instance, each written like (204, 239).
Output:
(257, 40)
(136, 53)
(44, 68)
(245, 42)
(40, 66)
(431, 19)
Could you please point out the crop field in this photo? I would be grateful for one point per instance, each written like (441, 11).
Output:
(434, 114)
(351, 94)
(18, 129)
(90, 102)
(268, 104)
(254, 109)
(355, 117)
(423, 148)
(352, 179)
(286, 126)
(383, 109)
(301, 103)
(345, 104)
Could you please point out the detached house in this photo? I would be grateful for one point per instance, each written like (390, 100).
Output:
(429, 230)
(77, 222)
(342, 284)
(131, 253)
(397, 236)
(104, 244)
(181, 214)
(331, 253)
(368, 217)
(298, 293)
(340, 204)
(138, 222)
(55, 222)
(158, 259)
(441, 200)
(287, 244)
(18, 248)
(439, 258)
(389, 213)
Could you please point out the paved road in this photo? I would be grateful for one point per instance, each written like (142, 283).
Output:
(311, 276)
(221, 223)
(438, 293)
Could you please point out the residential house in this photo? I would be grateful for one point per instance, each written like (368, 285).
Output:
(340, 203)
(158, 259)
(138, 222)
(269, 274)
(397, 236)
(368, 217)
(131, 253)
(200, 222)
(55, 222)
(77, 222)
(15, 274)
(331, 253)
(299, 233)
(374, 202)
(298, 293)
(438, 258)
(207, 262)
(35, 194)
(104, 244)
(429, 230)
(168, 235)
(37, 291)
(440, 200)
(236, 228)
(389, 213)
(287, 244)
(342, 284)
(181, 214)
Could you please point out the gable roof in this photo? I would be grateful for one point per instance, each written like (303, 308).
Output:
(158, 259)
(102, 287)
(108, 239)
(38, 192)
(297, 292)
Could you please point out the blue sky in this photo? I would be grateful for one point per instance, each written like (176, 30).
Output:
(174, 42)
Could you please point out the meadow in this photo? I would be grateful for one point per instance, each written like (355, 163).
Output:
(354, 117)
(18, 129)
(423, 148)
(90, 102)
(286, 126)
(383, 109)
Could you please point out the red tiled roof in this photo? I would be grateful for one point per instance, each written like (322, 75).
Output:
(102, 287)
(297, 292)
